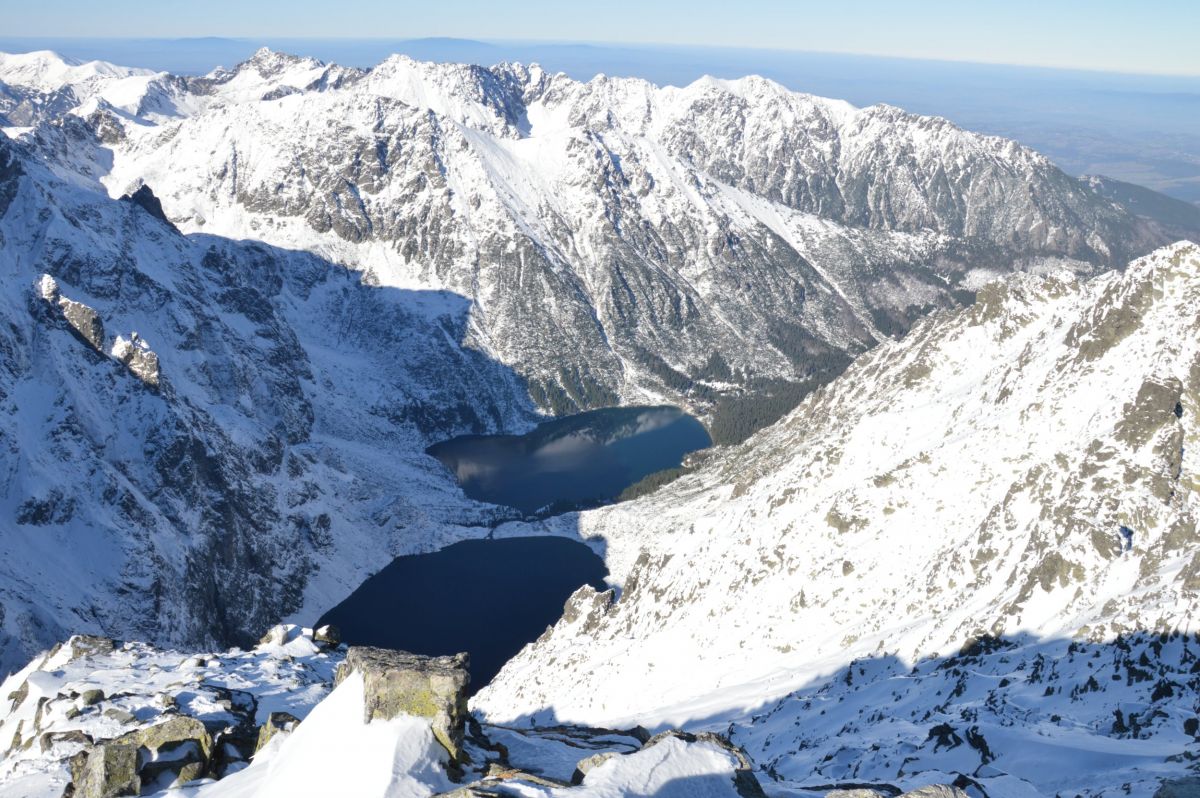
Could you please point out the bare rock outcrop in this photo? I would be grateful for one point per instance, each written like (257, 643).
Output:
(396, 682)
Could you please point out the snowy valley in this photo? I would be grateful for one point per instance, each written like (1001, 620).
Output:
(947, 542)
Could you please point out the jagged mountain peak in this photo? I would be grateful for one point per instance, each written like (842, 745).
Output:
(268, 61)
(826, 226)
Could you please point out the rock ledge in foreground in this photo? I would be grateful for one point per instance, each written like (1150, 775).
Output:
(396, 682)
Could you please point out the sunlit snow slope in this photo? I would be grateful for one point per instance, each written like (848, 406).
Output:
(1025, 465)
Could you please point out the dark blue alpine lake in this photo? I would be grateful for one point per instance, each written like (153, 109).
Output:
(578, 460)
(485, 597)
(491, 597)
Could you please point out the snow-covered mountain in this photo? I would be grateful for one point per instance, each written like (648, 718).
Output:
(1024, 465)
(515, 240)
(973, 574)
(1006, 476)
(618, 241)
(979, 541)
(200, 436)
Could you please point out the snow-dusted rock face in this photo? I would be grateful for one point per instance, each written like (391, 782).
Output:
(191, 715)
(1027, 465)
(616, 239)
(1015, 718)
(253, 450)
(94, 717)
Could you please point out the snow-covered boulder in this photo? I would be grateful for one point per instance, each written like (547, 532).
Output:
(337, 751)
(110, 718)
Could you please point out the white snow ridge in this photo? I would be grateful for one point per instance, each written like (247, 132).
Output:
(961, 560)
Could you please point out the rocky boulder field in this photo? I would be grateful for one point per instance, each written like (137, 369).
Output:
(300, 714)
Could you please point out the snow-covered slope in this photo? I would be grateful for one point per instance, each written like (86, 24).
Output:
(89, 690)
(200, 436)
(48, 72)
(618, 241)
(94, 717)
(1023, 467)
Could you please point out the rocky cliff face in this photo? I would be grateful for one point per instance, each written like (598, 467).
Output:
(186, 422)
(616, 239)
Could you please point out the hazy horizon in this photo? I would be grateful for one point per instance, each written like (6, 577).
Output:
(1155, 37)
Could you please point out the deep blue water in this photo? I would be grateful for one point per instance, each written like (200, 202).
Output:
(486, 597)
(577, 460)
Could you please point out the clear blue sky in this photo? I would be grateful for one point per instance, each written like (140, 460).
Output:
(1149, 36)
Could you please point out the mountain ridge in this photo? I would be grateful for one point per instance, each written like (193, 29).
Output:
(621, 198)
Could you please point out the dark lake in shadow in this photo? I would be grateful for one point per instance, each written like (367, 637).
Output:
(486, 597)
(578, 460)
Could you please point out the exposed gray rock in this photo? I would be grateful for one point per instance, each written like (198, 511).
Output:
(144, 198)
(173, 752)
(89, 646)
(82, 319)
(588, 604)
(1188, 787)
(396, 683)
(327, 635)
(180, 746)
(73, 736)
(178, 729)
(276, 723)
(585, 765)
(495, 776)
(91, 697)
(136, 355)
(107, 771)
(120, 715)
(935, 791)
(278, 635)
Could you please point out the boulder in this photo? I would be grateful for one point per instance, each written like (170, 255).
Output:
(1187, 787)
(495, 776)
(328, 636)
(935, 791)
(180, 746)
(89, 698)
(175, 730)
(107, 771)
(121, 716)
(277, 722)
(71, 736)
(585, 765)
(396, 683)
(85, 321)
(279, 635)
